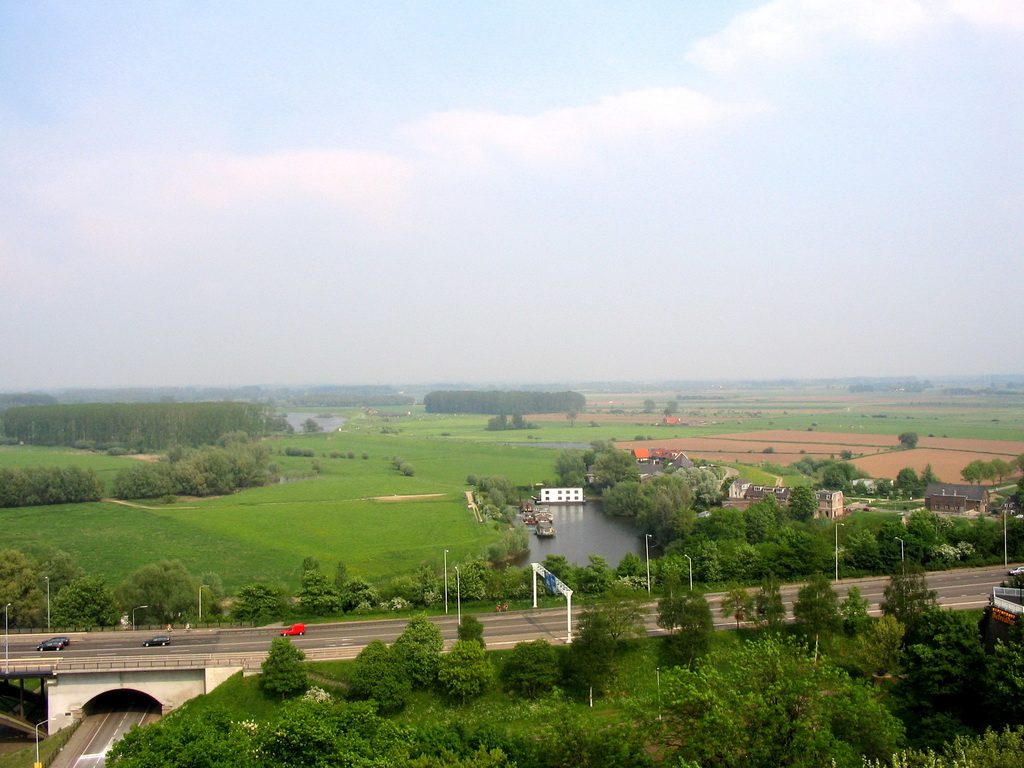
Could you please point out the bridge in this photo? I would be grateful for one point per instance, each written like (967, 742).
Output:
(72, 685)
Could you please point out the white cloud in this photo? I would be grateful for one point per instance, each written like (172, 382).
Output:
(790, 29)
(367, 183)
(1007, 14)
(561, 134)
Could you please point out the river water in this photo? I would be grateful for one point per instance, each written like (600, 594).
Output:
(582, 530)
(327, 423)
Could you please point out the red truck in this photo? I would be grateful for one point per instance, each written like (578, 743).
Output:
(294, 629)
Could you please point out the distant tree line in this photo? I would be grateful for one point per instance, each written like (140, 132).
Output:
(507, 403)
(351, 400)
(503, 422)
(12, 399)
(135, 426)
(36, 486)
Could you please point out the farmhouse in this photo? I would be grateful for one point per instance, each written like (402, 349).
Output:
(561, 496)
(957, 499)
(743, 493)
(831, 504)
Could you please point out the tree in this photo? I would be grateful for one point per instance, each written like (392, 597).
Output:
(880, 648)
(311, 425)
(570, 468)
(318, 597)
(771, 703)
(531, 669)
(471, 628)
(908, 440)
(166, 587)
(907, 597)
(19, 586)
(613, 467)
(973, 472)
(624, 611)
(769, 610)
(259, 602)
(419, 649)
(283, 672)
(736, 603)
(855, 612)
(687, 617)
(928, 476)
(1000, 468)
(572, 415)
(589, 664)
(465, 671)
(379, 675)
(908, 483)
(817, 607)
(626, 499)
(802, 503)
(940, 686)
(649, 406)
(85, 602)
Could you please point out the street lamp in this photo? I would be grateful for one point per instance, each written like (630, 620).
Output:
(657, 671)
(48, 602)
(137, 608)
(37, 764)
(7, 645)
(458, 591)
(1006, 562)
(903, 558)
(446, 582)
(838, 525)
(647, 549)
(691, 571)
(201, 599)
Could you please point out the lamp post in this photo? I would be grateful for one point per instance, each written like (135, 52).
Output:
(458, 591)
(657, 671)
(1006, 561)
(48, 602)
(903, 558)
(446, 582)
(647, 549)
(201, 600)
(838, 526)
(691, 571)
(37, 764)
(7, 645)
(137, 608)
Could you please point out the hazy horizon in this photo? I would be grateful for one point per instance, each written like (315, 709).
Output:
(518, 192)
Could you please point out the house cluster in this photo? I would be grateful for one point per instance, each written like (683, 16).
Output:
(743, 493)
(956, 499)
(655, 461)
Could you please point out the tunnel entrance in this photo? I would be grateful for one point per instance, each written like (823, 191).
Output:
(122, 700)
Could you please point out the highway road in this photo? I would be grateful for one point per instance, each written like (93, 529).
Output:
(960, 588)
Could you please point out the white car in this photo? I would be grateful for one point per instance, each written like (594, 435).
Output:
(1018, 571)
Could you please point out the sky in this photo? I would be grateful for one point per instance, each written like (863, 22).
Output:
(225, 193)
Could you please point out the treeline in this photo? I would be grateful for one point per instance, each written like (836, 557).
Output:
(507, 403)
(134, 426)
(12, 399)
(36, 486)
(350, 400)
(209, 471)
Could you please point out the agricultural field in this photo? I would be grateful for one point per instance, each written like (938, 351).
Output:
(332, 507)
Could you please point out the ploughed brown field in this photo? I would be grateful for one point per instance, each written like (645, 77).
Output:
(878, 455)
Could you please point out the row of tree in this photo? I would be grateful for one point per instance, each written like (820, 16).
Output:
(497, 402)
(135, 426)
(207, 471)
(35, 486)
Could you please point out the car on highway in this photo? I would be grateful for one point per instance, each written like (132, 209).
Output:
(53, 644)
(158, 640)
(1018, 571)
(294, 629)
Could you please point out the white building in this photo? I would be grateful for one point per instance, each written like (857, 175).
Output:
(561, 496)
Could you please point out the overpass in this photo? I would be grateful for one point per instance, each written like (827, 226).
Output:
(71, 685)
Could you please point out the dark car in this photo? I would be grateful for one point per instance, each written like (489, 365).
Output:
(54, 644)
(158, 640)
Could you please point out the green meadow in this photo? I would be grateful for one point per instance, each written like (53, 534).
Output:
(327, 508)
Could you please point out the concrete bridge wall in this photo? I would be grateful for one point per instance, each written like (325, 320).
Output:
(69, 692)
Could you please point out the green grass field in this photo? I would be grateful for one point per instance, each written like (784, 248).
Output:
(326, 510)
